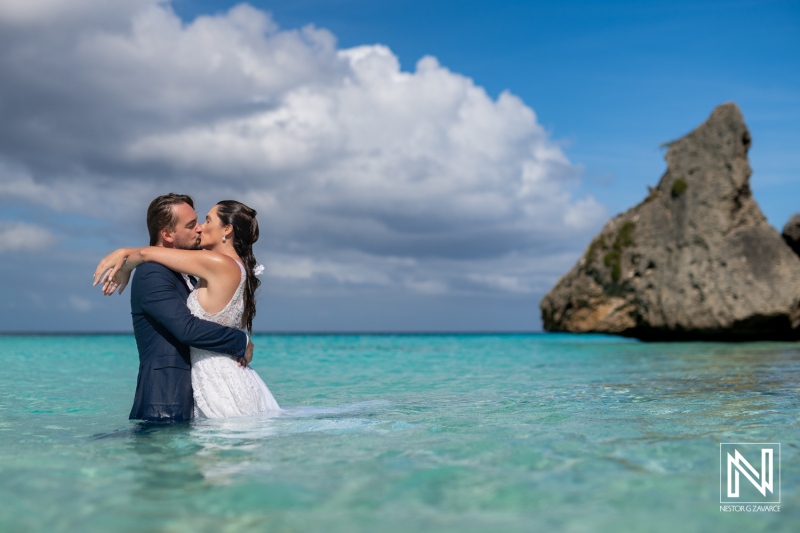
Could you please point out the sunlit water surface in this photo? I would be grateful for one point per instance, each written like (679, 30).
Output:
(401, 433)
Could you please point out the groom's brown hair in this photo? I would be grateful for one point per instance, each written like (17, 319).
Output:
(160, 214)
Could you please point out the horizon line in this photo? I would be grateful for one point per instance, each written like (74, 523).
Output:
(309, 332)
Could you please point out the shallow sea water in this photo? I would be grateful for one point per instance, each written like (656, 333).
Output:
(467, 433)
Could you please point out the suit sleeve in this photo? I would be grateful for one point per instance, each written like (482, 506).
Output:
(160, 299)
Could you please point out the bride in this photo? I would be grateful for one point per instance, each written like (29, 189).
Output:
(225, 294)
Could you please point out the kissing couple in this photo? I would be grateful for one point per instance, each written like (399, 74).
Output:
(192, 334)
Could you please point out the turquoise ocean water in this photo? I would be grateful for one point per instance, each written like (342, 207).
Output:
(466, 433)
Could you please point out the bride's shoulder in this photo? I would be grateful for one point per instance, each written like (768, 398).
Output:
(221, 263)
(220, 258)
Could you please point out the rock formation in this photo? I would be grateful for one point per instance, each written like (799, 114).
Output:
(791, 234)
(696, 259)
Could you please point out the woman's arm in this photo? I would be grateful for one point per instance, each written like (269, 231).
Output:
(155, 295)
(204, 264)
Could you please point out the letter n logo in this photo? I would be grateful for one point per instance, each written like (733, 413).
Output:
(740, 479)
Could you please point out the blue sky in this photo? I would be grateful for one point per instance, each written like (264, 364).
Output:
(395, 194)
(612, 81)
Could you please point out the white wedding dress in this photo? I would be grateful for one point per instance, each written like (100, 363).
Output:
(223, 389)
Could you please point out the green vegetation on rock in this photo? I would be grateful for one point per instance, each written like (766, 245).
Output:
(597, 244)
(613, 258)
(679, 187)
(625, 235)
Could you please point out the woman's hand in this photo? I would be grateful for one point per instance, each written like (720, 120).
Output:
(113, 271)
(248, 355)
(120, 280)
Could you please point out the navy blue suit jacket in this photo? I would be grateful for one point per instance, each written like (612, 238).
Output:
(164, 330)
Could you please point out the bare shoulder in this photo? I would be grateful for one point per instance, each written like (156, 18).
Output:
(221, 262)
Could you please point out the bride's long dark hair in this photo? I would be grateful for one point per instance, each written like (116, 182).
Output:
(245, 233)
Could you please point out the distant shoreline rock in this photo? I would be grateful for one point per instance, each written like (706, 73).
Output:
(695, 260)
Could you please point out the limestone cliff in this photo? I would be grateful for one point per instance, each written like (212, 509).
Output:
(696, 259)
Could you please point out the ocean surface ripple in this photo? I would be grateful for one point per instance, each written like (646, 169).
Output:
(465, 433)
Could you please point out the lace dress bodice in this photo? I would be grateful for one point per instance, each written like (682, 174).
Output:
(222, 388)
(231, 314)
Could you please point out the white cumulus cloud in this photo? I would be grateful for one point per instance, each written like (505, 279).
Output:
(15, 236)
(82, 305)
(363, 174)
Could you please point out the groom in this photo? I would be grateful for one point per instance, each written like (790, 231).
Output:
(162, 323)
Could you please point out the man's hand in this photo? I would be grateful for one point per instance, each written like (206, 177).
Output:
(248, 354)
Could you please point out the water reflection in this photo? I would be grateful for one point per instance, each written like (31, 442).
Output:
(706, 391)
(166, 459)
(232, 448)
(703, 371)
(221, 452)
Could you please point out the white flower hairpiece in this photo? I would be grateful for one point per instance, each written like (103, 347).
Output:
(258, 270)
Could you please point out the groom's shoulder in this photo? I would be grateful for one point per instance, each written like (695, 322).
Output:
(153, 267)
(152, 271)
